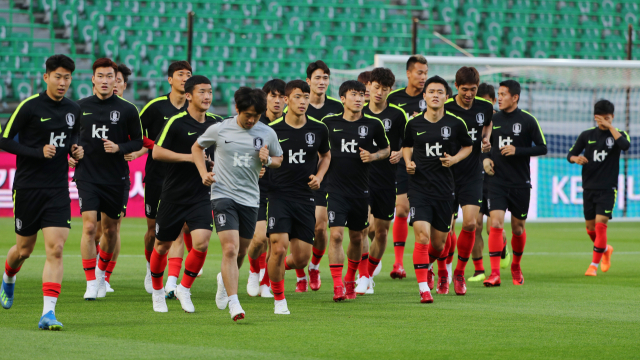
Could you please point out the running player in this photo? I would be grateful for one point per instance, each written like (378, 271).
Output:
(243, 146)
(184, 198)
(514, 130)
(109, 128)
(46, 126)
(352, 136)
(600, 168)
(365, 78)
(429, 140)
(305, 144)
(411, 100)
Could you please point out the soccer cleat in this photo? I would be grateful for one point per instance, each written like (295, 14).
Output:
(253, 284)
(236, 312)
(459, 285)
(606, 259)
(350, 290)
(443, 285)
(493, 280)
(148, 285)
(302, 286)
(280, 307)
(517, 277)
(338, 293)
(430, 278)
(92, 290)
(363, 285)
(6, 295)
(265, 291)
(102, 284)
(200, 272)
(398, 272)
(378, 269)
(109, 288)
(184, 295)
(170, 292)
(477, 277)
(504, 263)
(221, 294)
(314, 280)
(159, 303)
(372, 284)
(591, 271)
(48, 322)
(426, 297)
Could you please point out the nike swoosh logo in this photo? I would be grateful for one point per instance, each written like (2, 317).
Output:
(607, 211)
(497, 127)
(283, 140)
(41, 119)
(226, 142)
(421, 133)
(480, 201)
(211, 225)
(125, 206)
(401, 105)
(592, 142)
(191, 133)
(68, 221)
(523, 215)
(84, 113)
(337, 130)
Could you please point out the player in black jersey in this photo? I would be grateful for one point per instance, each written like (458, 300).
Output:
(514, 130)
(430, 139)
(47, 129)
(365, 78)
(600, 169)
(411, 100)
(352, 136)
(305, 144)
(109, 128)
(258, 283)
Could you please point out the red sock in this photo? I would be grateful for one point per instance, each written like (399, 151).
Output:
(465, 245)
(254, 264)
(110, 267)
(336, 274)
(265, 278)
(600, 244)
(363, 267)
(400, 231)
(300, 273)
(175, 264)
(89, 267)
(158, 264)
(147, 254)
(517, 245)
(477, 263)
(442, 259)
(192, 266)
(98, 248)
(373, 264)
(421, 260)
(51, 289)
(104, 259)
(286, 266)
(263, 260)
(278, 289)
(592, 235)
(433, 254)
(12, 272)
(317, 256)
(452, 247)
(188, 241)
(352, 266)
(495, 249)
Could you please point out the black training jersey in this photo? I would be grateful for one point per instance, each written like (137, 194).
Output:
(603, 153)
(410, 104)
(182, 181)
(39, 121)
(382, 174)
(263, 182)
(153, 117)
(476, 118)
(115, 119)
(331, 107)
(430, 141)
(348, 175)
(520, 129)
(300, 149)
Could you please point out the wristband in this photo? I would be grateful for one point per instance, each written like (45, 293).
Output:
(268, 161)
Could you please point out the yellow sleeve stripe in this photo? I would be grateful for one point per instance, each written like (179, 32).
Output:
(167, 126)
(406, 117)
(483, 99)
(278, 120)
(381, 123)
(334, 99)
(328, 116)
(625, 134)
(7, 130)
(151, 102)
(459, 118)
(544, 141)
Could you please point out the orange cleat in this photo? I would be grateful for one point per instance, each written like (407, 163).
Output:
(493, 280)
(314, 280)
(430, 277)
(606, 259)
(459, 285)
(591, 271)
(398, 272)
(425, 297)
(350, 292)
(443, 285)
(516, 275)
(338, 293)
(301, 286)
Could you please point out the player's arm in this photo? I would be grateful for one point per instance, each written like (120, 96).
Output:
(134, 130)
(407, 149)
(206, 140)
(539, 148)
(271, 154)
(381, 139)
(324, 160)
(166, 155)
(76, 151)
(622, 141)
(486, 137)
(396, 149)
(465, 142)
(574, 153)
(18, 120)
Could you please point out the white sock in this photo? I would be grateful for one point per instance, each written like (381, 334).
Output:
(49, 304)
(594, 264)
(171, 282)
(302, 278)
(233, 300)
(148, 266)
(430, 267)
(158, 292)
(449, 268)
(99, 273)
(424, 287)
(276, 302)
(8, 280)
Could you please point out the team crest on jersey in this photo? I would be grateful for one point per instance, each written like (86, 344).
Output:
(272, 222)
(445, 131)
(222, 219)
(114, 116)
(480, 118)
(387, 124)
(71, 119)
(332, 216)
(610, 142)
(257, 143)
(363, 131)
(422, 104)
(412, 212)
(157, 228)
(18, 224)
(310, 138)
(148, 208)
(517, 129)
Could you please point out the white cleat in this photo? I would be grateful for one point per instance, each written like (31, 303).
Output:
(450, 273)
(184, 295)
(261, 274)
(148, 285)
(280, 307)
(362, 285)
(265, 291)
(170, 292)
(253, 285)
(236, 312)
(221, 295)
(200, 272)
(377, 270)
(372, 284)
(92, 290)
(159, 302)
(102, 283)
(109, 288)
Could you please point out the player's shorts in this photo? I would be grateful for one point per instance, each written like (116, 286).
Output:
(232, 216)
(171, 218)
(485, 194)
(101, 198)
(320, 198)
(469, 193)
(383, 203)
(515, 200)
(292, 217)
(346, 211)
(36, 209)
(402, 178)
(436, 212)
(262, 210)
(152, 194)
(125, 197)
(599, 202)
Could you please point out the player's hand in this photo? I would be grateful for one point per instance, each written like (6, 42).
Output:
(77, 152)
(314, 184)
(448, 160)
(487, 164)
(580, 160)
(395, 157)
(110, 147)
(262, 171)
(130, 156)
(72, 162)
(208, 179)
(508, 150)
(365, 156)
(414, 114)
(49, 151)
(411, 168)
(264, 155)
(486, 145)
(600, 121)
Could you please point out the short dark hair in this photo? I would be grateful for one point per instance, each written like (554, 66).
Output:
(486, 89)
(416, 59)
(125, 71)
(437, 80)
(603, 107)
(177, 66)
(449, 91)
(364, 77)
(318, 64)
(247, 97)
(297, 84)
(467, 75)
(105, 62)
(274, 86)
(60, 61)
(351, 85)
(191, 83)
(383, 76)
(513, 86)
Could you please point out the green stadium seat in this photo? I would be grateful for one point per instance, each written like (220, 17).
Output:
(108, 47)
(540, 50)
(80, 89)
(590, 30)
(131, 58)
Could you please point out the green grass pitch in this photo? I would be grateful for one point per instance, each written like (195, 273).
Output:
(558, 313)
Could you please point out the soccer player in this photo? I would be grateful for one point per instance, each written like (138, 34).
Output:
(243, 146)
(477, 113)
(365, 78)
(411, 100)
(600, 168)
(382, 176)
(109, 128)
(430, 139)
(153, 117)
(352, 136)
(305, 144)
(514, 130)
(46, 126)
(184, 198)
(258, 283)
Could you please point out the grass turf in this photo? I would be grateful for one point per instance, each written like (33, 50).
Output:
(558, 313)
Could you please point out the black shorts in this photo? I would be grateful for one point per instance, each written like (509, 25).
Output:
(36, 209)
(346, 211)
(515, 200)
(485, 194)
(599, 202)
(125, 197)
(320, 198)
(151, 199)
(171, 218)
(383, 203)
(101, 198)
(232, 216)
(435, 212)
(292, 217)
(262, 210)
(469, 193)
(402, 178)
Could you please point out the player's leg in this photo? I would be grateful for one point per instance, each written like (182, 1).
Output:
(336, 261)
(478, 248)
(424, 255)
(452, 248)
(110, 224)
(376, 251)
(604, 201)
(465, 244)
(151, 200)
(400, 232)
(258, 243)
(176, 255)
(518, 241)
(88, 252)
(363, 267)
(443, 272)
(263, 280)
(320, 242)
(495, 246)
(158, 264)
(112, 264)
(354, 255)
(276, 267)
(16, 256)
(54, 240)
